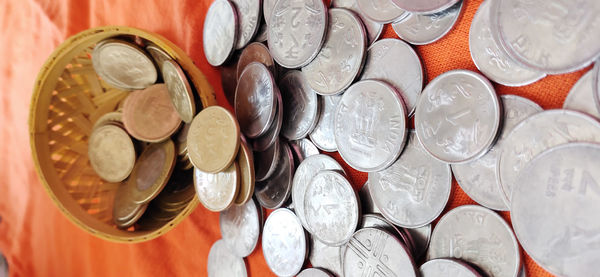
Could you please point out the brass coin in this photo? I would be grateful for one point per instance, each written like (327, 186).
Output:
(180, 91)
(111, 153)
(245, 161)
(213, 139)
(152, 171)
(115, 118)
(125, 211)
(217, 191)
(129, 222)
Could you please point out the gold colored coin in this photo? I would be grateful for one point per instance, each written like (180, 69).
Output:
(125, 211)
(245, 161)
(128, 223)
(180, 90)
(216, 191)
(115, 118)
(111, 153)
(213, 139)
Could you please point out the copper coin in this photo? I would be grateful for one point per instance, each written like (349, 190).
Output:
(149, 115)
(152, 171)
(111, 153)
(217, 191)
(180, 91)
(255, 100)
(245, 161)
(255, 52)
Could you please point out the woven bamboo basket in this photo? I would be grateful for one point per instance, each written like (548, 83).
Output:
(68, 98)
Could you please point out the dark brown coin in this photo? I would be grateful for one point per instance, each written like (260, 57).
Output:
(266, 161)
(274, 192)
(151, 172)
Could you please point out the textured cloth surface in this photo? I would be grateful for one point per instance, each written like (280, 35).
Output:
(39, 241)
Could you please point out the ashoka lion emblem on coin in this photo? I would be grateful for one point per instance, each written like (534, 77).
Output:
(368, 108)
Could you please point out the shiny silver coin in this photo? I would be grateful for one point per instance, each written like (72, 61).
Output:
(248, 20)
(123, 65)
(458, 116)
(304, 148)
(261, 34)
(424, 6)
(284, 243)
(396, 63)
(554, 209)
(255, 100)
(268, 9)
(490, 58)
(341, 59)
(325, 256)
(314, 272)
(376, 252)
(366, 201)
(379, 222)
(373, 28)
(581, 96)
(158, 55)
(300, 106)
(240, 228)
(479, 236)
(273, 192)
(180, 91)
(223, 263)
(370, 126)
(536, 33)
(322, 135)
(296, 31)
(478, 178)
(447, 267)
(220, 32)
(420, 237)
(266, 162)
(381, 11)
(421, 29)
(414, 190)
(331, 208)
(538, 133)
(268, 138)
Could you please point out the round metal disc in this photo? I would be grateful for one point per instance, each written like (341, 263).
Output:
(284, 243)
(222, 263)
(220, 32)
(421, 29)
(240, 228)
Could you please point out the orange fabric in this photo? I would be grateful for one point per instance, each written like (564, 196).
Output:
(38, 240)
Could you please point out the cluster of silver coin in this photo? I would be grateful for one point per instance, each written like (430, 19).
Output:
(355, 94)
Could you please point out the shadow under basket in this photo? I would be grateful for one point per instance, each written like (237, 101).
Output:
(68, 98)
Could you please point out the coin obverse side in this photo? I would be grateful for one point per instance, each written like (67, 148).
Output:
(217, 191)
(284, 243)
(111, 153)
(581, 96)
(240, 228)
(325, 256)
(422, 29)
(275, 190)
(447, 267)
(180, 90)
(220, 32)
(322, 135)
(255, 100)
(223, 263)
(381, 11)
(249, 16)
(300, 106)
(373, 28)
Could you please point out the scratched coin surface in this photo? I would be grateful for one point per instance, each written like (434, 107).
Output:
(373, 28)
(314, 272)
(322, 135)
(255, 100)
(284, 243)
(111, 153)
(554, 209)
(223, 263)
(414, 190)
(240, 228)
(326, 257)
(382, 11)
(268, 138)
(581, 96)
(340, 60)
(376, 252)
(275, 190)
(217, 191)
(296, 31)
(255, 52)
(424, 6)
(123, 65)
(265, 162)
(396, 63)
(370, 125)
(458, 116)
(220, 32)
(300, 106)
(421, 29)
(479, 236)
(180, 90)
(447, 267)
(478, 178)
(248, 13)
(421, 237)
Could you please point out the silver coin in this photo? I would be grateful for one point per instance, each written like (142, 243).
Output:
(549, 36)
(341, 59)
(248, 20)
(284, 243)
(366, 201)
(261, 34)
(267, 139)
(220, 32)
(379, 222)
(373, 28)
(268, 9)
(421, 29)
(478, 178)
(123, 65)
(240, 228)
(325, 256)
(331, 208)
(596, 84)
(300, 106)
(314, 272)
(424, 6)
(490, 58)
(158, 55)
(479, 236)
(396, 63)
(414, 190)
(447, 267)
(458, 116)
(322, 135)
(376, 252)
(370, 126)
(538, 133)
(304, 148)
(275, 191)
(581, 96)
(223, 263)
(381, 11)
(255, 100)
(420, 237)
(179, 89)
(296, 31)
(266, 162)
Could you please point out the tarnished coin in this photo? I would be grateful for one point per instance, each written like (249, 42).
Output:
(396, 63)
(554, 209)
(275, 190)
(370, 126)
(322, 135)
(479, 236)
(123, 65)
(248, 12)
(421, 29)
(240, 228)
(325, 256)
(424, 6)
(314, 272)
(255, 52)
(268, 138)
(265, 162)
(303, 148)
(447, 267)
(581, 96)
(538, 133)
(373, 28)
(366, 201)
(414, 190)
(373, 251)
(305, 172)
(331, 208)
(111, 153)
(158, 55)
(381, 11)
(245, 160)
(180, 90)
(490, 58)
(340, 60)
(296, 31)
(420, 237)
(222, 262)
(151, 172)
(217, 191)
(213, 139)
(255, 100)
(148, 114)
(300, 106)
(478, 178)
(220, 32)
(458, 116)
(284, 242)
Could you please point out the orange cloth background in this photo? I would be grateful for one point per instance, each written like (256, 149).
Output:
(39, 241)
